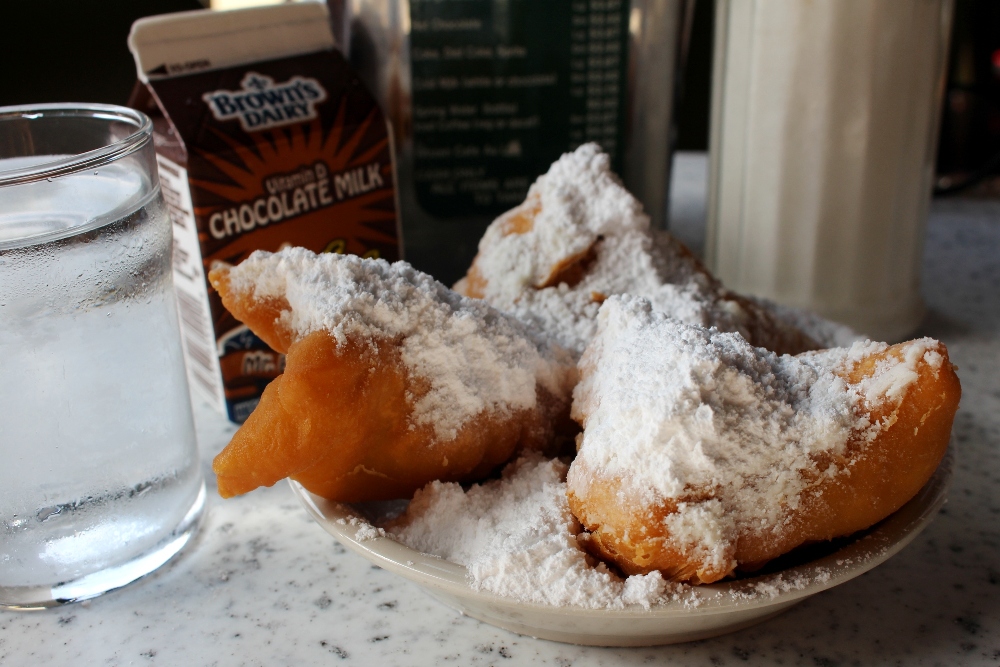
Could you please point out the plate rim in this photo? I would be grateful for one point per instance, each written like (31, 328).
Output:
(882, 542)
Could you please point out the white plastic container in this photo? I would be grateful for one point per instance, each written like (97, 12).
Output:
(824, 128)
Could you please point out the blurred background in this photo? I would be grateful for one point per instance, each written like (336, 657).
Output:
(75, 50)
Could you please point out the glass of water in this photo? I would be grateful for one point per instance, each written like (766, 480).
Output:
(100, 481)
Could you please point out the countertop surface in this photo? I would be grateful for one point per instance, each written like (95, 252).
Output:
(263, 585)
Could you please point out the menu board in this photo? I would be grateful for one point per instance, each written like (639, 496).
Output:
(501, 88)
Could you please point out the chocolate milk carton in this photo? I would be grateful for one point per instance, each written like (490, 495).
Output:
(265, 138)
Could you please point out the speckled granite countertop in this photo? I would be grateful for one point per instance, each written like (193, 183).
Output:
(263, 585)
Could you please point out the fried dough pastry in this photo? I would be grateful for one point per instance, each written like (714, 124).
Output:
(702, 454)
(391, 380)
(581, 237)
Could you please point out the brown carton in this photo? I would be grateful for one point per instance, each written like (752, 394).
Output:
(265, 138)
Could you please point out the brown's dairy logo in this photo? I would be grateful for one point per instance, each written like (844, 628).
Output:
(262, 104)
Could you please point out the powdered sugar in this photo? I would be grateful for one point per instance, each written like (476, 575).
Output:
(518, 538)
(774, 587)
(694, 398)
(365, 532)
(892, 378)
(578, 201)
(473, 357)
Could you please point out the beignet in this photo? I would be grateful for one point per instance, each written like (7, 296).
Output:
(391, 380)
(701, 454)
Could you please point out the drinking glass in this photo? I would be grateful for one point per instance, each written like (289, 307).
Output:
(100, 481)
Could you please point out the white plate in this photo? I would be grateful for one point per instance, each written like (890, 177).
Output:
(719, 608)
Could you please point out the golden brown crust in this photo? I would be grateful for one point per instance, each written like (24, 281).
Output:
(337, 421)
(571, 270)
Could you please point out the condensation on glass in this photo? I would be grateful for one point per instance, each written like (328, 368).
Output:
(101, 481)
